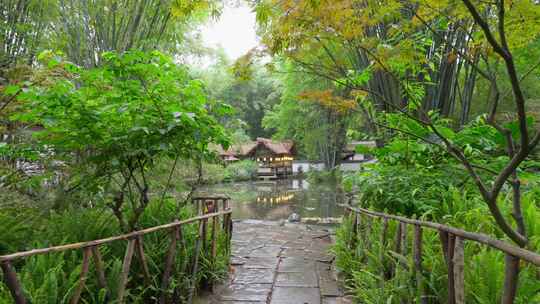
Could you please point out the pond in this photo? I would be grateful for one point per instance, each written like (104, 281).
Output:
(277, 200)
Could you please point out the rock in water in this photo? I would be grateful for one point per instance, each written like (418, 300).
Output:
(294, 218)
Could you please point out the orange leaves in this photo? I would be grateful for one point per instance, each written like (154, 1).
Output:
(328, 100)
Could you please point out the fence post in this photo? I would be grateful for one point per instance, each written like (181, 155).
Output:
(126, 265)
(100, 269)
(511, 276)
(384, 242)
(354, 232)
(142, 259)
(215, 227)
(10, 277)
(84, 274)
(459, 271)
(448, 243)
(417, 254)
(169, 262)
(195, 264)
(404, 245)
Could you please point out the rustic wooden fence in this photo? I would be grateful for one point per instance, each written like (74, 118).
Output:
(208, 209)
(452, 242)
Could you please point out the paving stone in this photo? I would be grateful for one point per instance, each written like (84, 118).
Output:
(301, 254)
(236, 260)
(337, 300)
(297, 279)
(253, 276)
(296, 264)
(246, 292)
(261, 262)
(295, 295)
(329, 288)
(292, 252)
(266, 251)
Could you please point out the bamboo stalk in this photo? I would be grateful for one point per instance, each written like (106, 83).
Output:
(523, 254)
(125, 270)
(169, 262)
(10, 277)
(84, 274)
(459, 271)
(142, 259)
(100, 272)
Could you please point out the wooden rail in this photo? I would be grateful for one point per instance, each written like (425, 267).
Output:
(210, 211)
(452, 241)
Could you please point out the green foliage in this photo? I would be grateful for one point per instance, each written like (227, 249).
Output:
(113, 123)
(51, 278)
(137, 104)
(241, 170)
(375, 273)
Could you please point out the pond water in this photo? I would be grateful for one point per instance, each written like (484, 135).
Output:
(277, 200)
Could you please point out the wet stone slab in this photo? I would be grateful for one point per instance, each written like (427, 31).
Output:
(246, 292)
(297, 279)
(295, 295)
(279, 263)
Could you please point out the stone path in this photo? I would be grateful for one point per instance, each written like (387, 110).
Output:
(277, 263)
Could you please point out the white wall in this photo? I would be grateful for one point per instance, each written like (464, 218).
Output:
(350, 166)
(306, 166)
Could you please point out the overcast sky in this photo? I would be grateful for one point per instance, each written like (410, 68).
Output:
(234, 31)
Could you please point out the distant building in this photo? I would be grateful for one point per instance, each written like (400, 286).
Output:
(274, 157)
(350, 154)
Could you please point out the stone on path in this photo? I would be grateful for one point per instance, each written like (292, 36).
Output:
(273, 263)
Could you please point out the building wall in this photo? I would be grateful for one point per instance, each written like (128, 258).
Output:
(305, 166)
(319, 166)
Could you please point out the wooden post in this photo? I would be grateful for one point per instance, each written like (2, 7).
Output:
(511, 277)
(354, 232)
(397, 248)
(169, 263)
(87, 251)
(195, 264)
(100, 269)
(417, 254)
(459, 271)
(142, 260)
(448, 242)
(215, 227)
(125, 270)
(385, 274)
(10, 277)
(367, 233)
(404, 245)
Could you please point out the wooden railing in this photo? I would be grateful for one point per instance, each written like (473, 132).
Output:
(452, 241)
(91, 250)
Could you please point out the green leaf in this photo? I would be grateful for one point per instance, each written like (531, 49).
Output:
(11, 90)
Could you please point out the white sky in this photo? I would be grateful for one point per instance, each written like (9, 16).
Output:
(234, 31)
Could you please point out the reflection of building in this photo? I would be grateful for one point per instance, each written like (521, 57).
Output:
(274, 158)
(274, 192)
(274, 198)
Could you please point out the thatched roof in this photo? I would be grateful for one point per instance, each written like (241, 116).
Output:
(277, 147)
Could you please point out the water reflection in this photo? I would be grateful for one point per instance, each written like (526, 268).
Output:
(276, 200)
